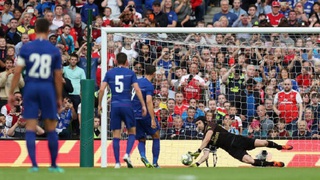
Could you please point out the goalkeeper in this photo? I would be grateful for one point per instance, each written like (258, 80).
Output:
(235, 145)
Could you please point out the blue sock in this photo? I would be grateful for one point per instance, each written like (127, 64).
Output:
(130, 143)
(155, 150)
(53, 144)
(31, 146)
(142, 148)
(116, 149)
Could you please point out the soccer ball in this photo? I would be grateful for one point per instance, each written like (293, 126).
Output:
(186, 159)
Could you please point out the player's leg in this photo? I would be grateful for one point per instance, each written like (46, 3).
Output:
(271, 144)
(128, 117)
(141, 137)
(53, 144)
(115, 126)
(30, 113)
(31, 125)
(156, 148)
(246, 158)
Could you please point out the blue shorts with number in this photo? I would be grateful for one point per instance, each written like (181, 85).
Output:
(39, 96)
(119, 114)
(144, 128)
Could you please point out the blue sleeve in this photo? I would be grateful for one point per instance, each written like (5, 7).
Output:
(184, 115)
(58, 61)
(215, 18)
(174, 17)
(72, 43)
(295, 85)
(105, 79)
(133, 78)
(96, 12)
(150, 90)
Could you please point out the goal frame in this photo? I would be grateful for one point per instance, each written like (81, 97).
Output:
(104, 42)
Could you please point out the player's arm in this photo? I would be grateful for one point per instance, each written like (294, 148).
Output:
(58, 86)
(206, 139)
(204, 144)
(139, 94)
(101, 93)
(203, 158)
(151, 111)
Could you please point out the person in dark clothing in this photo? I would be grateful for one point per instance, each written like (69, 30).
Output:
(235, 145)
(160, 17)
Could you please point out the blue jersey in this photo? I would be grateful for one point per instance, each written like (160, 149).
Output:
(146, 89)
(39, 62)
(40, 59)
(120, 80)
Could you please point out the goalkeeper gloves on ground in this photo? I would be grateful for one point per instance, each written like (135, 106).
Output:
(195, 154)
(194, 165)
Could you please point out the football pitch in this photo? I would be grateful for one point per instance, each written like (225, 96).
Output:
(164, 174)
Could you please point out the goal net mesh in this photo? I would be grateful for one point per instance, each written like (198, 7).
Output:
(252, 84)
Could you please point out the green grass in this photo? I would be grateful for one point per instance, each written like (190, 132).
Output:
(164, 174)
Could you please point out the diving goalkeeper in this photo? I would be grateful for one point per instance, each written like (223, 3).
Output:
(235, 145)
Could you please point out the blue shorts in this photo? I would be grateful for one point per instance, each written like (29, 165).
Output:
(119, 114)
(144, 128)
(39, 96)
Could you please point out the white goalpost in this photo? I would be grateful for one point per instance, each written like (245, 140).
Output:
(161, 33)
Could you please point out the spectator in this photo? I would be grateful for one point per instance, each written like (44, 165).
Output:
(13, 36)
(305, 78)
(96, 128)
(86, 7)
(180, 106)
(227, 125)
(198, 112)
(65, 117)
(263, 7)
(314, 105)
(237, 122)
(309, 118)
(171, 14)
(273, 133)
(66, 39)
(281, 125)
(284, 74)
(213, 85)
(225, 12)
(189, 123)
(24, 39)
(301, 13)
(234, 80)
(5, 82)
(128, 49)
(165, 61)
(252, 12)
(58, 19)
(285, 104)
(316, 130)
(177, 131)
(242, 21)
(302, 130)
(6, 13)
(192, 84)
(49, 16)
(160, 17)
(254, 130)
(247, 102)
(111, 8)
(75, 74)
(266, 123)
(198, 9)
(237, 10)
(275, 16)
(269, 110)
(183, 11)
(3, 129)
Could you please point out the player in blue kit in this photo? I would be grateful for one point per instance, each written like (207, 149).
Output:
(147, 125)
(121, 80)
(43, 90)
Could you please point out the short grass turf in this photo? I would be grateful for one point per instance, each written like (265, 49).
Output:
(164, 174)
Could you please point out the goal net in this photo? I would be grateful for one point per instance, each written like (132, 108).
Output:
(251, 81)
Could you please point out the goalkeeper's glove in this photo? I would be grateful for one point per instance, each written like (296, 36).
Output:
(195, 154)
(194, 165)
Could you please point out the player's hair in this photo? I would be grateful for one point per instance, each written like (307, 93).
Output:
(9, 59)
(150, 70)
(121, 58)
(42, 26)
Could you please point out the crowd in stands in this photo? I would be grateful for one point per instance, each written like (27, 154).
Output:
(256, 85)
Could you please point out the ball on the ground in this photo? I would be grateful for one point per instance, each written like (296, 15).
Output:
(186, 159)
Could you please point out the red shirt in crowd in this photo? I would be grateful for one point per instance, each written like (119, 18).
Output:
(274, 19)
(287, 104)
(304, 80)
